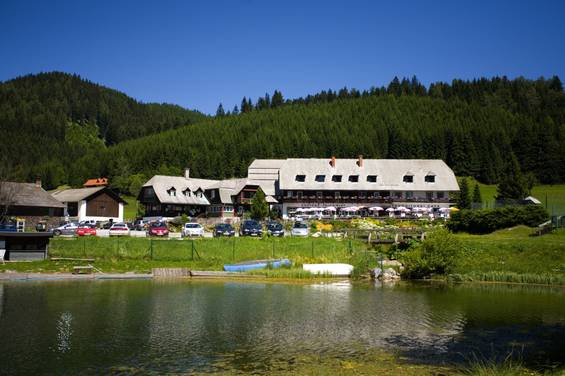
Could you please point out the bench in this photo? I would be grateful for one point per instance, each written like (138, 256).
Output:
(88, 269)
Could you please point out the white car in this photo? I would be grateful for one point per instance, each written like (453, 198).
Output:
(192, 229)
(300, 229)
(119, 229)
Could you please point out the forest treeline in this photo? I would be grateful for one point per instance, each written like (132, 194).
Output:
(478, 127)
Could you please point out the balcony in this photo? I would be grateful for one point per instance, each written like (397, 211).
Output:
(359, 200)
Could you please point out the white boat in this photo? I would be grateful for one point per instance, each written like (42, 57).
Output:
(330, 269)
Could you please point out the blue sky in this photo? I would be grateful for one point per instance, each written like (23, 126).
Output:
(200, 53)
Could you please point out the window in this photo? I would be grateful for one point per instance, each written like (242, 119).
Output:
(319, 194)
(213, 193)
(289, 194)
(429, 195)
(354, 178)
(172, 192)
(362, 194)
(228, 209)
(430, 179)
(336, 178)
(186, 192)
(300, 178)
(299, 194)
(337, 195)
(440, 195)
(408, 179)
(409, 194)
(320, 178)
(398, 194)
(371, 178)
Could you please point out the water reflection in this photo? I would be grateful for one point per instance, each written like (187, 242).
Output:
(167, 326)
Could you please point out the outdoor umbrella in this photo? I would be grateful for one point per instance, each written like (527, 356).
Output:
(376, 208)
(391, 209)
(330, 208)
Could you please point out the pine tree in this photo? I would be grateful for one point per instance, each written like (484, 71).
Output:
(259, 206)
(477, 199)
(512, 186)
(235, 110)
(277, 99)
(220, 111)
(464, 200)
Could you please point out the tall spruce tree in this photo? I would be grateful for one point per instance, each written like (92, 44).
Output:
(277, 99)
(259, 206)
(512, 185)
(220, 111)
(477, 199)
(464, 200)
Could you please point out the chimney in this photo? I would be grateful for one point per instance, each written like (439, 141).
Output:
(38, 182)
(360, 161)
(332, 161)
(187, 173)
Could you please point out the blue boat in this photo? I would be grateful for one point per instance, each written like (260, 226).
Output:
(257, 264)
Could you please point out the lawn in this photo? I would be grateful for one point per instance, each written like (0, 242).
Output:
(141, 254)
(513, 255)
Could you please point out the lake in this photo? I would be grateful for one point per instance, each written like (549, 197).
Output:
(95, 327)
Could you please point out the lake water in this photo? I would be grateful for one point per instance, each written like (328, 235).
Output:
(96, 327)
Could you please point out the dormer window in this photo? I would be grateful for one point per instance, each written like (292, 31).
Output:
(430, 179)
(371, 178)
(353, 178)
(320, 178)
(408, 179)
(172, 192)
(186, 192)
(336, 178)
(300, 178)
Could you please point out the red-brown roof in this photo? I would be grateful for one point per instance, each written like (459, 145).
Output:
(96, 182)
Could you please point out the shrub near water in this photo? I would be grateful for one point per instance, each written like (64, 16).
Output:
(435, 255)
(488, 220)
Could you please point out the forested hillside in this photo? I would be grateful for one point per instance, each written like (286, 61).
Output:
(49, 121)
(477, 127)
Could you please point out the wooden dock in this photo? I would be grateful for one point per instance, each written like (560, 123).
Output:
(185, 272)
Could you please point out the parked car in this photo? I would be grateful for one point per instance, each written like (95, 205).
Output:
(192, 229)
(89, 222)
(251, 227)
(300, 229)
(158, 229)
(223, 229)
(275, 229)
(106, 225)
(66, 229)
(84, 230)
(119, 229)
(139, 225)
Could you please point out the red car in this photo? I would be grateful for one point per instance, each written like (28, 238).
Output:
(86, 230)
(158, 229)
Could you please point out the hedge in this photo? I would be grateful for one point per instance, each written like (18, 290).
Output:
(488, 220)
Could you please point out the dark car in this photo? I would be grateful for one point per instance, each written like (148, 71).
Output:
(223, 229)
(251, 227)
(158, 229)
(275, 229)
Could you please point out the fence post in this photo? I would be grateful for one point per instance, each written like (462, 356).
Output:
(192, 250)
(84, 246)
(233, 249)
(273, 252)
(312, 249)
(350, 247)
(151, 247)
(117, 246)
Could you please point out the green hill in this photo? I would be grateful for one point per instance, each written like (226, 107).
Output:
(41, 117)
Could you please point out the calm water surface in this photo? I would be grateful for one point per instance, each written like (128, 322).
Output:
(97, 327)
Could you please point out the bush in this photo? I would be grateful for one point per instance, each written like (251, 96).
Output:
(488, 220)
(435, 255)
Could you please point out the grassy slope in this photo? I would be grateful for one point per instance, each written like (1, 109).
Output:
(555, 196)
(142, 254)
(130, 210)
(512, 251)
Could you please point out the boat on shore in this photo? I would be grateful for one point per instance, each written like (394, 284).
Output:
(338, 270)
(256, 264)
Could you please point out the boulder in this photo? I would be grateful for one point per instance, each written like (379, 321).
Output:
(376, 273)
(390, 274)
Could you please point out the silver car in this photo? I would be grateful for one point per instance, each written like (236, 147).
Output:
(66, 229)
(300, 229)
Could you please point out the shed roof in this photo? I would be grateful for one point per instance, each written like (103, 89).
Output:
(29, 194)
(79, 194)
